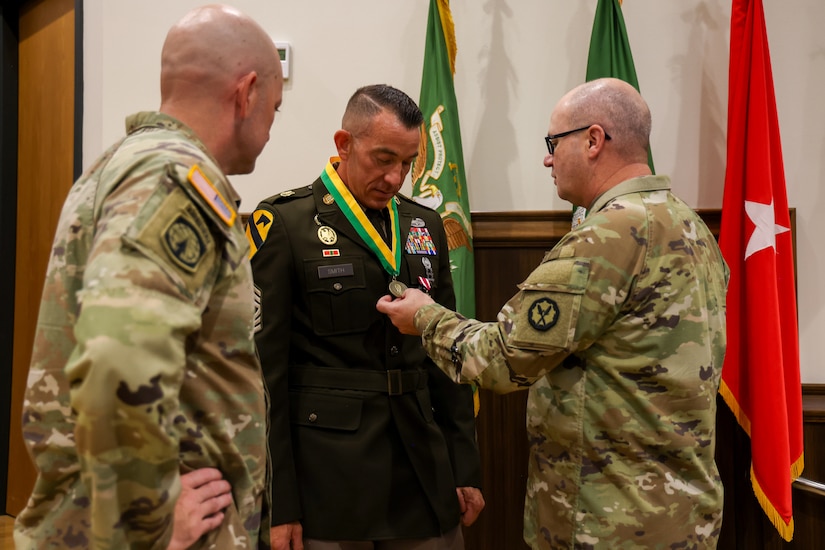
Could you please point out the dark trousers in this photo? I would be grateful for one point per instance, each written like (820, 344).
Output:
(452, 540)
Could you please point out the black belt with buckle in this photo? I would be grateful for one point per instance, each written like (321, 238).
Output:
(391, 382)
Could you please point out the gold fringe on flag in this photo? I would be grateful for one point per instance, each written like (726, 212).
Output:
(785, 529)
(449, 31)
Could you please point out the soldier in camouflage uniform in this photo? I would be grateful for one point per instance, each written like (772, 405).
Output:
(619, 334)
(145, 391)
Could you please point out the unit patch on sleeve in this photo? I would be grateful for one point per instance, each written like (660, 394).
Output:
(543, 314)
(184, 244)
(257, 228)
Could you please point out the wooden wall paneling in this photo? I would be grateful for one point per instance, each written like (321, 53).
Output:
(46, 129)
(809, 507)
(507, 247)
(8, 219)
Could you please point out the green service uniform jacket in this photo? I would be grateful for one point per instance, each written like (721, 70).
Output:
(369, 439)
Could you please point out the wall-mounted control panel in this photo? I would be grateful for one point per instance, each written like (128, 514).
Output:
(286, 56)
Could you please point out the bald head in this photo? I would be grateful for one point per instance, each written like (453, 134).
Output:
(210, 48)
(221, 76)
(618, 107)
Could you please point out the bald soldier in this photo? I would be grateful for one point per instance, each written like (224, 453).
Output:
(619, 334)
(144, 391)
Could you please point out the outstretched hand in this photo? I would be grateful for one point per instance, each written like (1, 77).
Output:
(401, 311)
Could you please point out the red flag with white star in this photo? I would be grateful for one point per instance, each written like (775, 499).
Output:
(760, 377)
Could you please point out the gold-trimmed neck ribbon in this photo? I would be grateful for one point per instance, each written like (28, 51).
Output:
(389, 258)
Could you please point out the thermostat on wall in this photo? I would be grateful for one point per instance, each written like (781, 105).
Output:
(283, 51)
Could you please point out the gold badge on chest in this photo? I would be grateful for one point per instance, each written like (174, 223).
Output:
(327, 235)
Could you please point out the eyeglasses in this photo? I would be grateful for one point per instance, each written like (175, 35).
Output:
(552, 146)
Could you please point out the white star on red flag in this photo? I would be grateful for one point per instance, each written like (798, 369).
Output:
(766, 230)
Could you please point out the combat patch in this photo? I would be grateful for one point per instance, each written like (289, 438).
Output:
(176, 235)
(183, 244)
(257, 228)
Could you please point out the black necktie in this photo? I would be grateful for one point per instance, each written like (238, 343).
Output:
(379, 220)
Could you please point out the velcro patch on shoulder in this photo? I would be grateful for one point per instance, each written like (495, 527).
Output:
(548, 308)
(568, 273)
(211, 195)
(545, 320)
(178, 237)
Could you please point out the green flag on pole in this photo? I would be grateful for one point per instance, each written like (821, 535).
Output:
(438, 172)
(610, 56)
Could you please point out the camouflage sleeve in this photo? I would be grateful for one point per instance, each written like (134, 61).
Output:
(535, 331)
(465, 349)
(148, 269)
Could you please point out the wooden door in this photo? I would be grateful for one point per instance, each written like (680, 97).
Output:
(46, 130)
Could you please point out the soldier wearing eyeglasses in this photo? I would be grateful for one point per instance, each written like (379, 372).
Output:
(619, 334)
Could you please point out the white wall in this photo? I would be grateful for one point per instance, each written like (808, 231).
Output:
(515, 59)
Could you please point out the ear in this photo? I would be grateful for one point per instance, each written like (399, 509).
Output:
(343, 142)
(246, 94)
(595, 140)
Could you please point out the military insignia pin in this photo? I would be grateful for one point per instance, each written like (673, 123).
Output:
(327, 235)
(328, 199)
(428, 268)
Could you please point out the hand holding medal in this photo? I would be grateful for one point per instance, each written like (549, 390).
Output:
(397, 288)
(402, 306)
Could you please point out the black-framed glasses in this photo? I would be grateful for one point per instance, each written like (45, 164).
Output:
(551, 147)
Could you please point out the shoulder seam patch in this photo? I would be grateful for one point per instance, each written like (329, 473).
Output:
(211, 195)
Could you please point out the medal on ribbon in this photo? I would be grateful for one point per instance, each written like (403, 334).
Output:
(390, 258)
